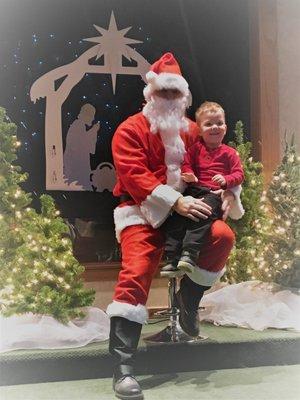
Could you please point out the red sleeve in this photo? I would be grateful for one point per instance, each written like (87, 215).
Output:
(236, 175)
(131, 163)
(189, 160)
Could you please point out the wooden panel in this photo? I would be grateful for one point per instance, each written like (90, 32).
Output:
(108, 271)
(101, 271)
(264, 89)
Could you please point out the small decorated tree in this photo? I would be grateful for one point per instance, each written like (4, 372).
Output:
(38, 272)
(282, 253)
(245, 262)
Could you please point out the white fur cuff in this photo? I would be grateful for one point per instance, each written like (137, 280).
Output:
(237, 209)
(158, 204)
(133, 313)
(204, 277)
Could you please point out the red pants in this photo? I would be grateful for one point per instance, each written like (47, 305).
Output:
(142, 248)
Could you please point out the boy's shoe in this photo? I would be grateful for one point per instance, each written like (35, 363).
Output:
(186, 263)
(170, 268)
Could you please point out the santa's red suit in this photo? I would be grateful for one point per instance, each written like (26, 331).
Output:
(148, 178)
(148, 150)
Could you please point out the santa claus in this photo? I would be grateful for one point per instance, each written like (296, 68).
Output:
(148, 149)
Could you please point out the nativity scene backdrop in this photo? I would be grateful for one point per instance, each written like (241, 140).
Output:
(71, 72)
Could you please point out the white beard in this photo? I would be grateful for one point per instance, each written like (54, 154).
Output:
(168, 118)
(166, 115)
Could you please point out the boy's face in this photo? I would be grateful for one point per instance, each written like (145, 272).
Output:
(212, 128)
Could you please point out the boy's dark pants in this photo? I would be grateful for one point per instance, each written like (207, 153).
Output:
(184, 235)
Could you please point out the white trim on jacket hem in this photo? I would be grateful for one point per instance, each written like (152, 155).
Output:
(127, 216)
(131, 312)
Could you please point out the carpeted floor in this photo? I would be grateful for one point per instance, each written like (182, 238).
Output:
(225, 348)
(260, 383)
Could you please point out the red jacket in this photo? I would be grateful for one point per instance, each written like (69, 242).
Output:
(205, 163)
(148, 167)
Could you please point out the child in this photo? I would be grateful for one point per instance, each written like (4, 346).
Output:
(208, 165)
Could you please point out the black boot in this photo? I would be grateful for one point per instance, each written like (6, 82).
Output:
(123, 342)
(188, 298)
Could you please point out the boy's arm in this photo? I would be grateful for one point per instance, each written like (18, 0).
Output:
(236, 175)
(188, 163)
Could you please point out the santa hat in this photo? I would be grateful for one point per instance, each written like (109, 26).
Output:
(165, 74)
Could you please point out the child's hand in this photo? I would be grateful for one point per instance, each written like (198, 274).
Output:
(219, 179)
(189, 177)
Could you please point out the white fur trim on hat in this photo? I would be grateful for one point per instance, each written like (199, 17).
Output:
(127, 216)
(157, 206)
(204, 277)
(134, 313)
(165, 80)
(237, 209)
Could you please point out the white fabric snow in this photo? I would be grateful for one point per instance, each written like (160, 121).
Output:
(31, 331)
(254, 305)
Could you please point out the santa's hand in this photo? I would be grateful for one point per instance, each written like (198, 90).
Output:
(228, 199)
(189, 177)
(97, 126)
(192, 208)
(219, 179)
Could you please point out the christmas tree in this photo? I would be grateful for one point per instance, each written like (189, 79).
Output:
(38, 272)
(245, 262)
(283, 251)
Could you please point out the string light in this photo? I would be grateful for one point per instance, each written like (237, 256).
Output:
(18, 214)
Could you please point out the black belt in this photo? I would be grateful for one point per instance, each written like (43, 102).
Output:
(125, 197)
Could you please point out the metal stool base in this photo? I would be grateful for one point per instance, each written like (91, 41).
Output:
(177, 336)
(173, 332)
